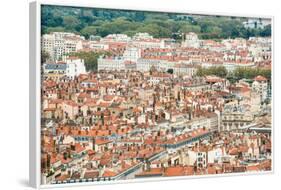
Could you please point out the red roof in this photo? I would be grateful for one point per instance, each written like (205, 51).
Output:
(260, 78)
(108, 173)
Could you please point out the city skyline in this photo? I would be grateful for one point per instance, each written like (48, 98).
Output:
(148, 102)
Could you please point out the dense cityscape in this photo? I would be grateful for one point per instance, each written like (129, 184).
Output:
(154, 107)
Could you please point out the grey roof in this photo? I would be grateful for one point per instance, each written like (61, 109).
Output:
(54, 66)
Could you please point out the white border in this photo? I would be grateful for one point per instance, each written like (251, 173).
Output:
(34, 94)
(35, 90)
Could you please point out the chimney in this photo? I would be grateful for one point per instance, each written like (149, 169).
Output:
(65, 155)
(189, 115)
(72, 147)
(136, 120)
(94, 144)
(146, 118)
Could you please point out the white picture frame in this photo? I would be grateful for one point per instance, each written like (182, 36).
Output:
(35, 100)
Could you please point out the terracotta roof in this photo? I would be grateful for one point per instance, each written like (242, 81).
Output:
(108, 173)
(260, 78)
(91, 174)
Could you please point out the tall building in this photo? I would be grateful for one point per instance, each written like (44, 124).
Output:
(260, 86)
(191, 40)
(58, 44)
(110, 64)
(70, 67)
(74, 67)
(132, 54)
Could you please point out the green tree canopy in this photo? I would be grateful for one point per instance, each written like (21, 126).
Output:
(70, 22)
(216, 70)
(88, 31)
(90, 58)
(84, 20)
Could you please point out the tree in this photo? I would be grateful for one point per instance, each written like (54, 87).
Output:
(70, 22)
(170, 71)
(86, 16)
(200, 72)
(190, 28)
(90, 58)
(216, 70)
(220, 71)
(157, 24)
(139, 16)
(250, 73)
(54, 29)
(88, 31)
(266, 31)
